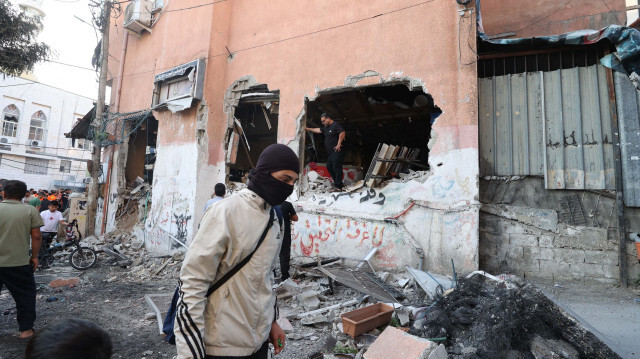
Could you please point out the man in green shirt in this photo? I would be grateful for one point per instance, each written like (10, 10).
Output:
(18, 221)
(35, 201)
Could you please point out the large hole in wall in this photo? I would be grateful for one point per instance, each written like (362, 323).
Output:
(141, 156)
(255, 127)
(392, 114)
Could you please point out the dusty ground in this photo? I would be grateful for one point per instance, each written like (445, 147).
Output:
(118, 307)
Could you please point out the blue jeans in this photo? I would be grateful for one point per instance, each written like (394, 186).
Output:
(334, 166)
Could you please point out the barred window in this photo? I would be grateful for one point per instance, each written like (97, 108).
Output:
(36, 165)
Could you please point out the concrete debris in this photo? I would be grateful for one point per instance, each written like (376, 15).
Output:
(285, 325)
(403, 317)
(309, 299)
(396, 344)
(71, 282)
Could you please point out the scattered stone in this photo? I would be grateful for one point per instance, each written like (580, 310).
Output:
(63, 282)
(439, 353)
(178, 256)
(396, 344)
(52, 299)
(150, 316)
(309, 299)
(138, 261)
(313, 320)
(552, 349)
(148, 352)
(403, 317)
(285, 324)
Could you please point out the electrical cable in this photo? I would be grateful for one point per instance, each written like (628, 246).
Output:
(77, 169)
(612, 12)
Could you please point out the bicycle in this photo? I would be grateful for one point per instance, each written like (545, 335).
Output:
(81, 258)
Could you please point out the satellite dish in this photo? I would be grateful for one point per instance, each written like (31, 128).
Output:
(32, 7)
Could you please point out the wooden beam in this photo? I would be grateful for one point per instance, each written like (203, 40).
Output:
(633, 7)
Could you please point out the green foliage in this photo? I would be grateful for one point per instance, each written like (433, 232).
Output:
(394, 322)
(19, 50)
(339, 349)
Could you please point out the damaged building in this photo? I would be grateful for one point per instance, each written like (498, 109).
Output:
(446, 130)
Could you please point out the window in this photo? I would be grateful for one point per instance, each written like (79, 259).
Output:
(36, 165)
(177, 88)
(80, 143)
(36, 131)
(10, 118)
(65, 166)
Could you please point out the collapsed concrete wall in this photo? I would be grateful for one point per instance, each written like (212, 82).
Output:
(553, 235)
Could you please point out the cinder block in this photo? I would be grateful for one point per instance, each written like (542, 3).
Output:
(526, 240)
(565, 255)
(493, 238)
(611, 272)
(490, 225)
(56, 283)
(538, 253)
(396, 344)
(601, 257)
(587, 270)
(545, 241)
(507, 251)
(552, 268)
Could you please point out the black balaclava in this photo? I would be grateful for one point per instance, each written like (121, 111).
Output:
(274, 158)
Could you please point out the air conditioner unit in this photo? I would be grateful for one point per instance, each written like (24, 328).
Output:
(71, 178)
(137, 15)
(5, 140)
(87, 180)
(35, 144)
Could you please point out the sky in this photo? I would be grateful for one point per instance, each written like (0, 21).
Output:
(73, 43)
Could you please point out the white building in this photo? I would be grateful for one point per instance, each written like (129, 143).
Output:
(33, 147)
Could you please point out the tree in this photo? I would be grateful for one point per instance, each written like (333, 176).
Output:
(19, 50)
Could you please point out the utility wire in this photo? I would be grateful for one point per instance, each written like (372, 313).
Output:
(77, 169)
(288, 38)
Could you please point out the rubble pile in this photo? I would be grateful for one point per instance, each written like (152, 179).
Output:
(484, 318)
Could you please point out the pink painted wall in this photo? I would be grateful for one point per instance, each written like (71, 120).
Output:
(296, 47)
(550, 17)
(177, 37)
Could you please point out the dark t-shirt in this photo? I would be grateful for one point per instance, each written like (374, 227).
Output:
(287, 213)
(331, 134)
(44, 205)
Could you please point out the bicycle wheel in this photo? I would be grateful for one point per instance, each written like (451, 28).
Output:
(82, 258)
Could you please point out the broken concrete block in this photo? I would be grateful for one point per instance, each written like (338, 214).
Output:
(552, 349)
(64, 282)
(396, 344)
(313, 319)
(285, 325)
(403, 317)
(309, 299)
(439, 353)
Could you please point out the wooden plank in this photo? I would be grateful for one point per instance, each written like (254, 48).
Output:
(376, 167)
(554, 139)
(607, 132)
(591, 128)
(503, 133)
(520, 125)
(535, 119)
(486, 121)
(572, 124)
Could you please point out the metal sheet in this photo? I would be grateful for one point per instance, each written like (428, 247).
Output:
(555, 124)
(628, 103)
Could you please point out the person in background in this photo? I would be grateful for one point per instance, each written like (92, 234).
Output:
(51, 218)
(35, 202)
(27, 198)
(64, 199)
(18, 222)
(44, 202)
(1, 189)
(288, 214)
(334, 136)
(70, 338)
(219, 191)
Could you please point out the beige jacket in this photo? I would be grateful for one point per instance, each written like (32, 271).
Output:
(236, 319)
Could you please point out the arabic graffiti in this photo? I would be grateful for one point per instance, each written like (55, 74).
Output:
(311, 234)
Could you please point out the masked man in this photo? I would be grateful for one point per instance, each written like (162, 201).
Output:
(238, 320)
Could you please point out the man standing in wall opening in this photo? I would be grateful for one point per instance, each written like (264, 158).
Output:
(334, 136)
